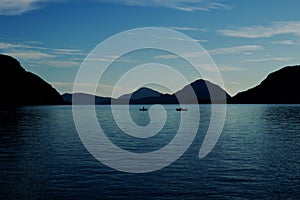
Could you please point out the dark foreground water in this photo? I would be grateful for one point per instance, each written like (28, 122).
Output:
(256, 157)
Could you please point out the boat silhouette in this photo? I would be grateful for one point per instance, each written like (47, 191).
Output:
(181, 109)
(143, 109)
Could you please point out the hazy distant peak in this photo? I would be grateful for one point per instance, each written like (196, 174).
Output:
(141, 93)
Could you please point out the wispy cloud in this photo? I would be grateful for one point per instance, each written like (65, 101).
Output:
(228, 68)
(58, 63)
(284, 42)
(6, 45)
(68, 52)
(40, 56)
(274, 28)
(178, 28)
(17, 7)
(23, 51)
(112, 58)
(30, 55)
(219, 51)
(282, 59)
(220, 67)
(184, 39)
(166, 57)
(235, 50)
(41, 59)
(183, 5)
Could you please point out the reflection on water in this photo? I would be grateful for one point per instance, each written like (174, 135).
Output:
(257, 156)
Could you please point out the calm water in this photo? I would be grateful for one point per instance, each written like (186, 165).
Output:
(257, 156)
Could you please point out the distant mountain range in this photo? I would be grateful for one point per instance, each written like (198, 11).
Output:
(141, 94)
(280, 87)
(144, 95)
(19, 87)
(86, 99)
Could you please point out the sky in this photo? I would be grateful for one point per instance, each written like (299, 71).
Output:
(246, 39)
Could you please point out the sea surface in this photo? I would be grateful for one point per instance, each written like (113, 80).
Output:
(256, 157)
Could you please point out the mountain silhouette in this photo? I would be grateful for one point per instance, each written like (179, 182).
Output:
(280, 87)
(85, 99)
(19, 87)
(194, 93)
(204, 91)
(141, 94)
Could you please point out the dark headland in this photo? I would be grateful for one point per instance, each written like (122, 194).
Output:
(19, 87)
(280, 87)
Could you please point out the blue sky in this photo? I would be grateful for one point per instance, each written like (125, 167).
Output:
(246, 39)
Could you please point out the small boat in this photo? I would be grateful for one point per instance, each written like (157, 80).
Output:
(143, 109)
(181, 109)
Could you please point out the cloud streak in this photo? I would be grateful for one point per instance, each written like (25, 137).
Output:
(220, 67)
(281, 59)
(30, 55)
(235, 50)
(227, 68)
(7, 46)
(182, 5)
(218, 51)
(18, 7)
(42, 56)
(188, 40)
(284, 42)
(275, 28)
(179, 28)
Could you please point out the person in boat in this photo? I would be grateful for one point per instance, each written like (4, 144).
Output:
(181, 109)
(143, 109)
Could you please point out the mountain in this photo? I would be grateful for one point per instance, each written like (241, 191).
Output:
(205, 91)
(200, 88)
(19, 87)
(145, 95)
(280, 87)
(141, 94)
(85, 99)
